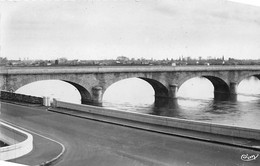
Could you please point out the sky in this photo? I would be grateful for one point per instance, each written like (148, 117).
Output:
(248, 2)
(151, 29)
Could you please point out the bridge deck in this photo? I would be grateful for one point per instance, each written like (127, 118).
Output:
(123, 69)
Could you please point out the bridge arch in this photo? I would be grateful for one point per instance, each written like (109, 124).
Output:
(249, 84)
(84, 93)
(159, 89)
(220, 86)
(248, 74)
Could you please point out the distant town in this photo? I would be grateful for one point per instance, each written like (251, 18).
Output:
(125, 61)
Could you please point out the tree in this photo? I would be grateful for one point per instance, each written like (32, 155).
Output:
(63, 60)
(3, 60)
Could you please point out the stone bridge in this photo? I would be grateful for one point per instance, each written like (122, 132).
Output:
(92, 81)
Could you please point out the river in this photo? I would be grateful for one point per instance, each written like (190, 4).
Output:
(195, 100)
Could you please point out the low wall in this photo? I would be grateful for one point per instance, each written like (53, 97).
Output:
(165, 121)
(19, 142)
(20, 98)
(5, 163)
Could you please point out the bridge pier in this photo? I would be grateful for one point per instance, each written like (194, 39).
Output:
(173, 91)
(231, 95)
(97, 93)
(220, 96)
(233, 88)
(233, 91)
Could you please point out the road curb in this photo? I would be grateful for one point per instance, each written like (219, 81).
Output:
(55, 159)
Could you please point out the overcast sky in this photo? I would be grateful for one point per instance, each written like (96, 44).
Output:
(107, 29)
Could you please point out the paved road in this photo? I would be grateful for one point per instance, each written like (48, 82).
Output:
(94, 143)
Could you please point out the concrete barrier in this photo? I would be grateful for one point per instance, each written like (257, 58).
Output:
(165, 121)
(46, 101)
(19, 142)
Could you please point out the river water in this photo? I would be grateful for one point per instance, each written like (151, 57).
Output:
(195, 100)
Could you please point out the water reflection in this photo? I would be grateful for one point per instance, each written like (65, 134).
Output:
(197, 101)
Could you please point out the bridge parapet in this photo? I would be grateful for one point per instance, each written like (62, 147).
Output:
(122, 69)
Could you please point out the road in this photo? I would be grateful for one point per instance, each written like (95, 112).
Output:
(94, 143)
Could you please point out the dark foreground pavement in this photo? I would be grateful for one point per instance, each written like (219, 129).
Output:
(95, 143)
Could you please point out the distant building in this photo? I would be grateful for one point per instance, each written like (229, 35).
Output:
(122, 58)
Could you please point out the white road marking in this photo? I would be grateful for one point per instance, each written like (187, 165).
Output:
(63, 147)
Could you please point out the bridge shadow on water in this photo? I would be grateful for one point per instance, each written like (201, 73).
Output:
(225, 97)
(178, 107)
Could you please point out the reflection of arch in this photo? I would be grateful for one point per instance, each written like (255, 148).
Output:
(159, 88)
(85, 95)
